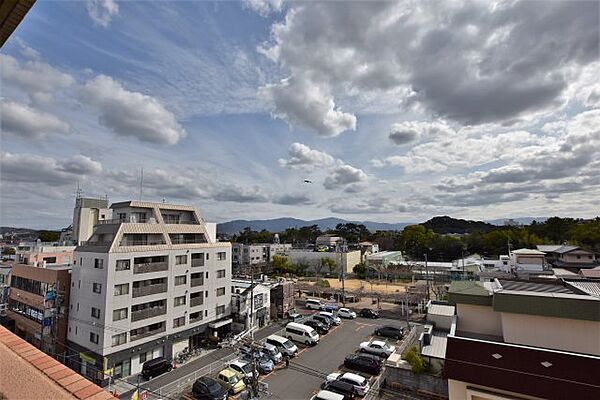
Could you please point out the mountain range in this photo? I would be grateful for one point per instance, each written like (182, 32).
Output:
(281, 224)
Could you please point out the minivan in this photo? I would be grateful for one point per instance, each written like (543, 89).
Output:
(301, 333)
(156, 367)
(334, 318)
(286, 346)
(313, 304)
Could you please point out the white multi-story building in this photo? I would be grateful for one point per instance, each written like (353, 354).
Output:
(87, 213)
(148, 283)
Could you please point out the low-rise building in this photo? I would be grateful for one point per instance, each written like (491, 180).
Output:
(514, 339)
(41, 254)
(567, 256)
(38, 304)
(282, 298)
(256, 254)
(243, 312)
(344, 261)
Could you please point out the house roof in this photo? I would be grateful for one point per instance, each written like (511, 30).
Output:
(440, 309)
(528, 251)
(591, 273)
(561, 249)
(591, 288)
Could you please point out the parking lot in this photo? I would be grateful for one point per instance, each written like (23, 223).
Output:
(309, 369)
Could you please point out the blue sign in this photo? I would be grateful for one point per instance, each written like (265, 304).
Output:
(47, 321)
(50, 295)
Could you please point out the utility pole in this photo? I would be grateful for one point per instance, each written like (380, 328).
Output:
(427, 275)
(254, 383)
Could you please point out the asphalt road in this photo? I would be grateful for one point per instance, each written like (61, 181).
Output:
(309, 369)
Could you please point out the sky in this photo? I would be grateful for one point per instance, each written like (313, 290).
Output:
(395, 111)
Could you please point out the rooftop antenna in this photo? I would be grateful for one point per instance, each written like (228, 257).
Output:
(141, 183)
(78, 191)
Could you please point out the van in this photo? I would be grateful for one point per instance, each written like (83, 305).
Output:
(156, 367)
(334, 318)
(301, 333)
(285, 346)
(313, 304)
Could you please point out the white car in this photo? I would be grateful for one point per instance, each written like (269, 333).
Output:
(378, 347)
(334, 318)
(242, 367)
(327, 395)
(346, 313)
(361, 384)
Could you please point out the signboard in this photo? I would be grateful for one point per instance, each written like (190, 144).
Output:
(87, 359)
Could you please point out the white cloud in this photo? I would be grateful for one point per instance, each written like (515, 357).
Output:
(130, 113)
(102, 11)
(302, 156)
(306, 103)
(22, 120)
(33, 76)
(264, 7)
(409, 131)
(343, 175)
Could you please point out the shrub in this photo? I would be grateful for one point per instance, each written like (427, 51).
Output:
(415, 360)
(322, 283)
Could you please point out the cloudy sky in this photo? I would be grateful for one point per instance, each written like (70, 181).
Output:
(395, 111)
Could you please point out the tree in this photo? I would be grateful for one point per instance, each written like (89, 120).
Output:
(300, 268)
(48, 236)
(8, 251)
(360, 270)
(329, 263)
(280, 265)
(415, 360)
(353, 233)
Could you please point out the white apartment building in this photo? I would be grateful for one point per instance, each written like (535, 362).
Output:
(87, 213)
(257, 254)
(148, 283)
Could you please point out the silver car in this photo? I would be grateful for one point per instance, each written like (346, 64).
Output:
(272, 352)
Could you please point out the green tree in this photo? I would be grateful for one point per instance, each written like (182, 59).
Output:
(415, 360)
(352, 232)
(8, 251)
(415, 240)
(360, 270)
(329, 263)
(48, 236)
(281, 265)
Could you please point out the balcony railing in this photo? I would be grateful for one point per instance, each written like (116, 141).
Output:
(150, 267)
(148, 333)
(150, 289)
(148, 313)
(187, 241)
(196, 301)
(198, 318)
(131, 242)
(181, 222)
(197, 282)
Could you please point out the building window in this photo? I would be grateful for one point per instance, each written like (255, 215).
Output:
(180, 280)
(97, 287)
(119, 339)
(179, 260)
(119, 314)
(50, 260)
(123, 265)
(98, 263)
(177, 322)
(94, 337)
(196, 316)
(220, 291)
(122, 289)
(147, 356)
(220, 310)
(221, 256)
(95, 312)
(179, 301)
(198, 260)
(206, 274)
(221, 273)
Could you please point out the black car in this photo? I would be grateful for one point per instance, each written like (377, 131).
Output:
(207, 388)
(321, 328)
(344, 388)
(368, 313)
(364, 363)
(156, 367)
(322, 319)
(390, 331)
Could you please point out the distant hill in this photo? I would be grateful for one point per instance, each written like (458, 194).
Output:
(446, 224)
(520, 220)
(281, 224)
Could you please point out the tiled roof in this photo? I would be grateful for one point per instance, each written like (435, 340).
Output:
(591, 273)
(32, 374)
(591, 288)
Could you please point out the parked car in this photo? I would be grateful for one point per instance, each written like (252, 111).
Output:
(284, 345)
(231, 380)
(377, 347)
(346, 313)
(327, 395)
(329, 308)
(264, 364)
(334, 318)
(272, 352)
(294, 317)
(156, 367)
(361, 384)
(390, 331)
(343, 388)
(242, 367)
(207, 388)
(321, 328)
(313, 304)
(301, 333)
(363, 362)
(323, 319)
(368, 313)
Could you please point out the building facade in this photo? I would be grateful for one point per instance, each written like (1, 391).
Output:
(256, 254)
(244, 313)
(344, 261)
(86, 215)
(524, 340)
(150, 281)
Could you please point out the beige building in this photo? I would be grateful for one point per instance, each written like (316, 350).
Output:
(345, 261)
(523, 340)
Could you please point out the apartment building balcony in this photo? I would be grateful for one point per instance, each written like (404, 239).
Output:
(149, 289)
(137, 334)
(150, 267)
(196, 301)
(197, 282)
(148, 313)
(532, 371)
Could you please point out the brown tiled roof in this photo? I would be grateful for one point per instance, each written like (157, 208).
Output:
(48, 376)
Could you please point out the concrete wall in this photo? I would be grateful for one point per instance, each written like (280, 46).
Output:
(345, 261)
(441, 322)
(399, 378)
(458, 390)
(553, 333)
(478, 319)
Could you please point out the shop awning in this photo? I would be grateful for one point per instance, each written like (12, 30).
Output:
(218, 324)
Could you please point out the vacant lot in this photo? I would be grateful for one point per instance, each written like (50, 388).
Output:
(380, 287)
